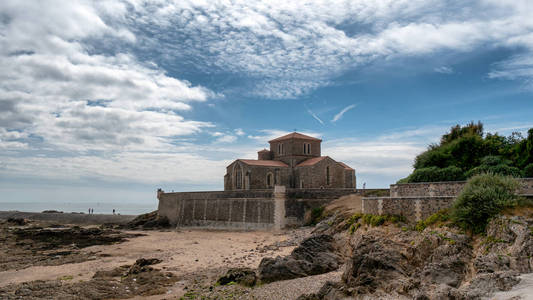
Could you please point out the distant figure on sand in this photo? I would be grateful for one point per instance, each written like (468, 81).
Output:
(113, 211)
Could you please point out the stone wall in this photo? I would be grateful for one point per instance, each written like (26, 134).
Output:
(417, 201)
(445, 188)
(228, 209)
(253, 209)
(413, 208)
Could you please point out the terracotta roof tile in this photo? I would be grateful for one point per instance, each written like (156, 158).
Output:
(310, 161)
(295, 135)
(266, 163)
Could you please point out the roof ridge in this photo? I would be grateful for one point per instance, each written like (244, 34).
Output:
(295, 135)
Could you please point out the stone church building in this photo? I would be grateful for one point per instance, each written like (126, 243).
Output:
(294, 161)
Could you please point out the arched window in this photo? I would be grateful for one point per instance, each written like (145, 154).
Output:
(307, 148)
(328, 181)
(270, 180)
(238, 177)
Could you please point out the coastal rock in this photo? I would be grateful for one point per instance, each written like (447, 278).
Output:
(148, 221)
(244, 276)
(315, 255)
(387, 262)
(17, 221)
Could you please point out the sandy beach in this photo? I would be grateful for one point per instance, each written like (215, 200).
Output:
(195, 258)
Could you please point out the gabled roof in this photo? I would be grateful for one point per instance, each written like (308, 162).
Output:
(264, 150)
(311, 161)
(295, 135)
(345, 165)
(265, 163)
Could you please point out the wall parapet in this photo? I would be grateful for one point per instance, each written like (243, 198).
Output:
(247, 209)
(446, 188)
(413, 208)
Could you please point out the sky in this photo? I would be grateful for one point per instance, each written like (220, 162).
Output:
(110, 100)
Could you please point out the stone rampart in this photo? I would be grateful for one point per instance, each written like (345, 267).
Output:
(249, 209)
(413, 208)
(417, 201)
(224, 209)
(446, 188)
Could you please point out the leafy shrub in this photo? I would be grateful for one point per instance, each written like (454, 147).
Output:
(432, 174)
(473, 152)
(354, 227)
(500, 169)
(438, 217)
(483, 197)
(496, 165)
(528, 171)
(372, 220)
(316, 215)
(354, 218)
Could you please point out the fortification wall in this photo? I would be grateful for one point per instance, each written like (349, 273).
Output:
(250, 209)
(413, 208)
(224, 209)
(417, 201)
(446, 188)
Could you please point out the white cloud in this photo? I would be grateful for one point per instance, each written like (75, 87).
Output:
(239, 132)
(444, 70)
(52, 86)
(226, 139)
(287, 49)
(339, 115)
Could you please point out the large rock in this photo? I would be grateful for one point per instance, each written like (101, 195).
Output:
(315, 255)
(396, 264)
(148, 221)
(242, 276)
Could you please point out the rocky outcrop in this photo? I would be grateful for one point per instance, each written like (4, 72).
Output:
(244, 276)
(315, 255)
(148, 221)
(438, 263)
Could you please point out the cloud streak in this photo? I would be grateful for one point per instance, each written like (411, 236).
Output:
(339, 115)
(315, 116)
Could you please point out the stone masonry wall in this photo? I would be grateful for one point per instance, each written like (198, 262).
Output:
(252, 209)
(446, 188)
(413, 208)
(230, 209)
(417, 201)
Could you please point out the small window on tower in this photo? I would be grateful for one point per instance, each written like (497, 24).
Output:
(307, 148)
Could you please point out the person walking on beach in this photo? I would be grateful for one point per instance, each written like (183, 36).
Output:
(113, 211)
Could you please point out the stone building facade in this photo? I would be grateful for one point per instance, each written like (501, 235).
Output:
(294, 161)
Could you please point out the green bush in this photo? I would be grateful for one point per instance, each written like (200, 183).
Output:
(500, 169)
(372, 220)
(316, 215)
(432, 174)
(483, 197)
(438, 217)
(528, 171)
(468, 151)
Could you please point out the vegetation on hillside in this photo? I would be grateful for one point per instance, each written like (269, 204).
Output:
(483, 197)
(466, 151)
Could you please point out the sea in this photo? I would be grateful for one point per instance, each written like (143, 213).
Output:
(67, 207)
